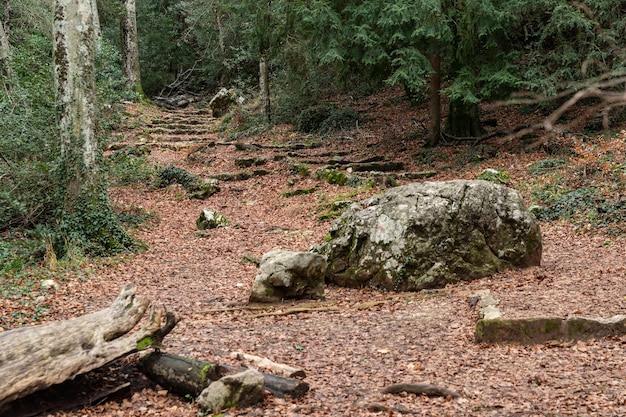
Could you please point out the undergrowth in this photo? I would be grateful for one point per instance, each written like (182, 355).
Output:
(588, 189)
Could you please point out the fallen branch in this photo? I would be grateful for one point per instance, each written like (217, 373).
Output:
(296, 310)
(421, 389)
(278, 368)
(37, 357)
(377, 408)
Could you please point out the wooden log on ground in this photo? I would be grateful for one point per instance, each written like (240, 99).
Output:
(186, 376)
(37, 357)
(181, 375)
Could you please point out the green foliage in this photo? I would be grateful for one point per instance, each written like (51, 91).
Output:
(195, 187)
(134, 216)
(312, 118)
(566, 205)
(300, 169)
(93, 225)
(545, 165)
(165, 57)
(495, 176)
(299, 191)
(568, 42)
(333, 176)
(125, 168)
(324, 118)
(174, 175)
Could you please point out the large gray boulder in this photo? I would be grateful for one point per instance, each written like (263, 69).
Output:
(285, 274)
(425, 235)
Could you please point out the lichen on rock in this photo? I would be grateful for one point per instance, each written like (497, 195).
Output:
(425, 235)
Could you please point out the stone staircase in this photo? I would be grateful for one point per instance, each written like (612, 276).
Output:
(172, 129)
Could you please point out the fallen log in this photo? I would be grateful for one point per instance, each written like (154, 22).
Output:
(181, 375)
(37, 357)
(186, 376)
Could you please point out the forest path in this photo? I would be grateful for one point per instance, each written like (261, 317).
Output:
(374, 339)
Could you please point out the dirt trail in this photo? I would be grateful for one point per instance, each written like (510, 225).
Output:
(351, 354)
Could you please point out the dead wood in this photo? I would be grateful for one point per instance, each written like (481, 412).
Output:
(296, 310)
(34, 358)
(277, 368)
(278, 385)
(187, 376)
(179, 374)
(420, 389)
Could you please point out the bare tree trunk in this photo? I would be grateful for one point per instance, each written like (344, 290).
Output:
(130, 49)
(435, 101)
(224, 72)
(7, 15)
(264, 85)
(5, 58)
(86, 214)
(97, 29)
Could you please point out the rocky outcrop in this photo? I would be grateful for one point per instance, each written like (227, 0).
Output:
(284, 275)
(223, 100)
(425, 235)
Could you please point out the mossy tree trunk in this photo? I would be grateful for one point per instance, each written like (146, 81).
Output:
(130, 49)
(463, 120)
(85, 215)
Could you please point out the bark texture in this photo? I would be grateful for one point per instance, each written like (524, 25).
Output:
(86, 215)
(130, 49)
(76, 92)
(264, 86)
(35, 358)
(6, 71)
(97, 29)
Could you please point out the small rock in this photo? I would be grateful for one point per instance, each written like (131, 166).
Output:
(288, 275)
(49, 285)
(239, 390)
(211, 219)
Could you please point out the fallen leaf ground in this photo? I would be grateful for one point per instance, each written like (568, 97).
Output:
(374, 339)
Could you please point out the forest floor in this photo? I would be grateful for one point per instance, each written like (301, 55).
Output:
(372, 339)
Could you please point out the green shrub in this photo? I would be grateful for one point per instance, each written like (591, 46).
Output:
(494, 175)
(312, 118)
(125, 168)
(567, 205)
(195, 187)
(324, 118)
(333, 176)
(340, 119)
